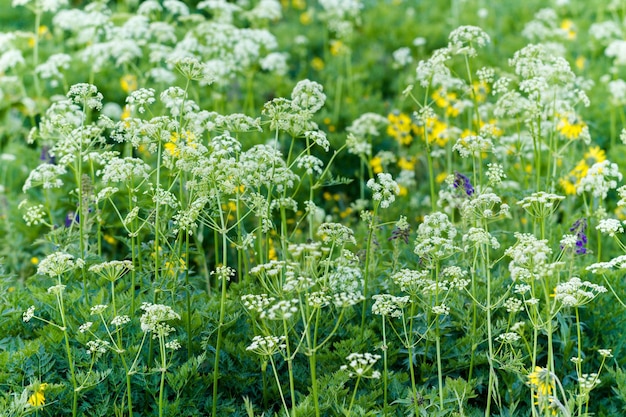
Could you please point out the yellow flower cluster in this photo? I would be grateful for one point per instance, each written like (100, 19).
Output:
(401, 128)
(572, 179)
(570, 126)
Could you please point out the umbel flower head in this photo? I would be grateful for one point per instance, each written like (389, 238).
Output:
(58, 263)
(154, 318)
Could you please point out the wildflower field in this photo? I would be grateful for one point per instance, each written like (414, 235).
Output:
(312, 208)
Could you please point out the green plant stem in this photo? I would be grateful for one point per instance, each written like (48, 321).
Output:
(356, 386)
(188, 298)
(313, 366)
(68, 352)
(163, 370)
(368, 256)
(486, 264)
(385, 369)
(218, 344)
(280, 389)
(292, 385)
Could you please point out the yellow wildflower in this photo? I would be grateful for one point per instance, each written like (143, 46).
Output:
(570, 126)
(541, 381)
(109, 239)
(305, 18)
(298, 4)
(337, 48)
(440, 178)
(406, 164)
(594, 155)
(128, 82)
(38, 399)
(568, 26)
(377, 164)
(317, 63)
(173, 146)
(34, 260)
(481, 90)
(400, 127)
(580, 62)
(446, 101)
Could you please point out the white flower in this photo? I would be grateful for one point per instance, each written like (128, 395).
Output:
(385, 189)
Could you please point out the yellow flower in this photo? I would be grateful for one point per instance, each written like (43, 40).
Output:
(440, 178)
(298, 4)
(594, 155)
(172, 147)
(481, 90)
(541, 380)
(446, 101)
(128, 82)
(403, 191)
(126, 114)
(568, 185)
(109, 239)
(337, 48)
(34, 260)
(400, 127)
(376, 164)
(406, 164)
(570, 126)
(317, 63)
(580, 62)
(38, 399)
(305, 18)
(568, 26)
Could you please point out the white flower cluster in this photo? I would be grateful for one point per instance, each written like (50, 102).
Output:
(58, 263)
(28, 314)
(616, 263)
(541, 204)
(34, 215)
(154, 317)
(530, 258)
(575, 292)
(124, 170)
(281, 310)
(472, 145)
(336, 233)
(601, 177)
(360, 365)
(610, 227)
(112, 270)
(411, 281)
(257, 302)
(477, 236)
(86, 95)
(435, 237)
(385, 189)
(97, 347)
(464, 40)
(97, 309)
(389, 305)
(508, 337)
(267, 345)
(47, 175)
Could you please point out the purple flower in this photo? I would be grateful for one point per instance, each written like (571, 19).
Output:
(579, 228)
(45, 156)
(71, 218)
(463, 183)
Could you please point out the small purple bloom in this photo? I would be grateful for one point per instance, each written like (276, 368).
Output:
(71, 218)
(45, 155)
(579, 228)
(463, 183)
